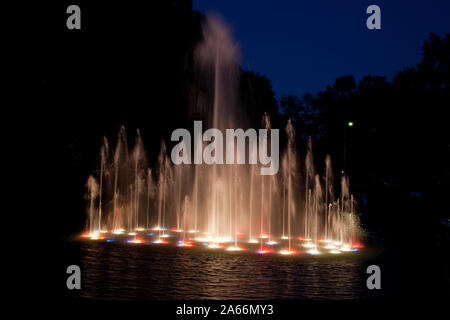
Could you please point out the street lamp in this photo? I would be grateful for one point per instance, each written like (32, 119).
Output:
(349, 125)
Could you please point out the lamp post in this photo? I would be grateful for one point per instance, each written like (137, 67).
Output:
(349, 124)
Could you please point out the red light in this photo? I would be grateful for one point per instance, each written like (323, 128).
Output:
(185, 244)
(264, 251)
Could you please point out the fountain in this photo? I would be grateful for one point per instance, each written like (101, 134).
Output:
(215, 204)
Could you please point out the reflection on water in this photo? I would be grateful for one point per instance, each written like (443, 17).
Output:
(121, 271)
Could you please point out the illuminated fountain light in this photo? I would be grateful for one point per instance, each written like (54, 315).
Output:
(202, 239)
(139, 229)
(214, 246)
(253, 241)
(287, 252)
(234, 249)
(330, 247)
(103, 231)
(346, 248)
(97, 236)
(150, 234)
(309, 245)
(313, 251)
(184, 244)
(132, 233)
(159, 241)
(176, 230)
(165, 235)
(118, 231)
(193, 231)
(284, 238)
(264, 236)
(271, 243)
(93, 236)
(357, 246)
(337, 243)
(335, 251)
(264, 251)
(222, 240)
(135, 241)
(159, 229)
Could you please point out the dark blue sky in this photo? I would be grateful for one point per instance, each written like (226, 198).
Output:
(304, 45)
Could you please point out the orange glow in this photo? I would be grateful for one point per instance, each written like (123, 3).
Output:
(287, 252)
(234, 249)
(159, 241)
(299, 238)
(185, 244)
(264, 251)
(214, 246)
(93, 236)
(137, 240)
(357, 245)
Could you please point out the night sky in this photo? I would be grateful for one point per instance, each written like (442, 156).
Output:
(302, 46)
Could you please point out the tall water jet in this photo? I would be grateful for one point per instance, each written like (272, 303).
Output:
(196, 182)
(161, 185)
(309, 176)
(284, 167)
(291, 166)
(104, 156)
(92, 187)
(120, 161)
(317, 204)
(185, 212)
(217, 58)
(138, 159)
(149, 195)
(344, 198)
(328, 194)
